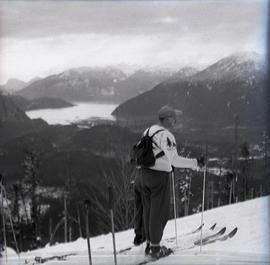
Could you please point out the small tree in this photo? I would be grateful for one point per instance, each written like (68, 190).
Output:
(245, 168)
(121, 181)
(31, 182)
(183, 188)
(230, 180)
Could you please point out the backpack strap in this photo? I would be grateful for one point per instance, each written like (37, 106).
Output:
(160, 130)
(161, 153)
(147, 133)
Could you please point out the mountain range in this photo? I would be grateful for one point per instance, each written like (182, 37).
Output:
(108, 84)
(13, 85)
(138, 83)
(232, 87)
(76, 84)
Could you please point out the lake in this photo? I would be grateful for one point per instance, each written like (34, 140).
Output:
(79, 112)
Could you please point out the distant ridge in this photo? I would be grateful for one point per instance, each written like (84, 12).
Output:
(108, 84)
(232, 86)
(39, 103)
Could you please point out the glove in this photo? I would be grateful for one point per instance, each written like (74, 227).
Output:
(201, 161)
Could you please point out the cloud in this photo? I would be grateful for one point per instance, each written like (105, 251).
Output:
(167, 20)
(40, 38)
(120, 17)
(43, 56)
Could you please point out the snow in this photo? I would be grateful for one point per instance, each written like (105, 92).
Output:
(250, 245)
(4, 201)
(218, 171)
(242, 57)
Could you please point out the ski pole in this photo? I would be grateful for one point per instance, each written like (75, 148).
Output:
(110, 190)
(65, 217)
(87, 206)
(10, 219)
(174, 206)
(3, 218)
(203, 198)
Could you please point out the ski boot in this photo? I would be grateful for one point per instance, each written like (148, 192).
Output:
(157, 252)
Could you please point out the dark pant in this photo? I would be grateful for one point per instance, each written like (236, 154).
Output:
(156, 203)
(138, 220)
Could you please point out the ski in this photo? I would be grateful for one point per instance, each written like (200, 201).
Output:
(191, 233)
(213, 226)
(223, 238)
(40, 260)
(170, 239)
(121, 251)
(207, 238)
(198, 229)
(124, 250)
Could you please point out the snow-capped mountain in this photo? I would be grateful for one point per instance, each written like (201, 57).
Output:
(139, 82)
(77, 84)
(246, 66)
(182, 74)
(94, 84)
(232, 86)
(98, 73)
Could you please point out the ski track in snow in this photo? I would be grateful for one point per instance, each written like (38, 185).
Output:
(250, 245)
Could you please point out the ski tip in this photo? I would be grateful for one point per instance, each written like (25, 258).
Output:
(222, 231)
(233, 232)
(213, 226)
(198, 229)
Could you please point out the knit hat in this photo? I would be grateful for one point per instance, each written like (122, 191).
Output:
(166, 112)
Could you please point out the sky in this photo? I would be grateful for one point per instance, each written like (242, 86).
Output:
(39, 38)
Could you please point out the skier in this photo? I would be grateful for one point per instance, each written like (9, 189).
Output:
(156, 180)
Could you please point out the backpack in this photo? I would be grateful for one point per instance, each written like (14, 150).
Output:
(142, 153)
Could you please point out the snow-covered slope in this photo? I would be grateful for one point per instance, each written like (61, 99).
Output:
(250, 245)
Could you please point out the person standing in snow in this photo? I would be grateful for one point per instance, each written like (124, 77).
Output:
(156, 180)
